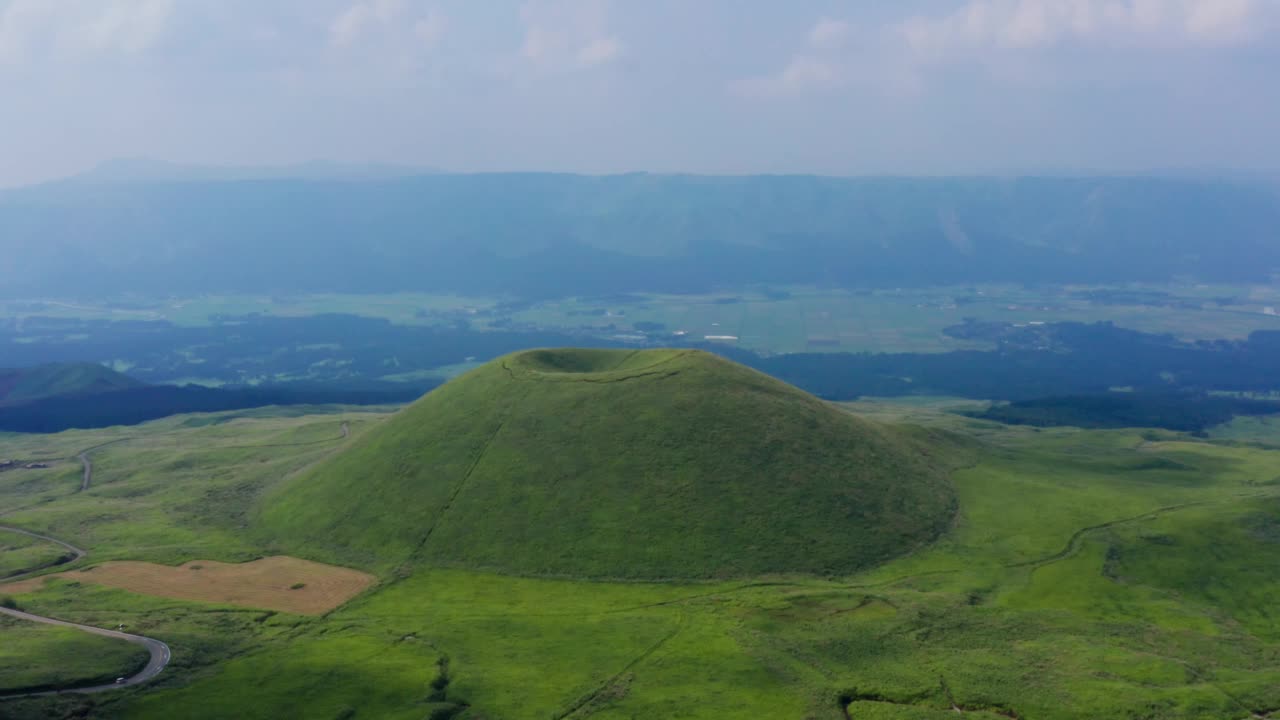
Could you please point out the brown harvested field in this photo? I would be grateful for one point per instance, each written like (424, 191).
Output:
(266, 583)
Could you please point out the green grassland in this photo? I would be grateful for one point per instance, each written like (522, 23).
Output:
(39, 657)
(1263, 429)
(1087, 574)
(170, 489)
(19, 553)
(26, 488)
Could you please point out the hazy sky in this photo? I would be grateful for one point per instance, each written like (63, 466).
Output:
(722, 86)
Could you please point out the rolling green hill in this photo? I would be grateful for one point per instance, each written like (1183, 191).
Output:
(609, 463)
(56, 379)
(1088, 574)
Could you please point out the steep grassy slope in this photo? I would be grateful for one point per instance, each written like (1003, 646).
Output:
(605, 463)
(56, 379)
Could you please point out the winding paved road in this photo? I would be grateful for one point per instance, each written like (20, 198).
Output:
(160, 654)
(79, 553)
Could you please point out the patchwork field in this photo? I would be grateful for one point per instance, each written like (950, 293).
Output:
(770, 320)
(1089, 574)
(274, 583)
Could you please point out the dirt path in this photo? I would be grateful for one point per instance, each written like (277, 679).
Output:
(466, 477)
(159, 656)
(88, 471)
(586, 701)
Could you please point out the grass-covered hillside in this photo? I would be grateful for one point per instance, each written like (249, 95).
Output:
(1087, 574)
(603, 463)
(57, 379)
(66, 657)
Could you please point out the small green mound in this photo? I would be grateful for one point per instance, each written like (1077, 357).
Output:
(607, 463)
(55, 379)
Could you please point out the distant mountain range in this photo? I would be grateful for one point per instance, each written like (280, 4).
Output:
(169, 231)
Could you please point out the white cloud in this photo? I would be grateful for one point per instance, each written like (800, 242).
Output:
(347, 26)
(80, 27)
(365, 19)
(817, 68)
(829, 34)
(599, 51)
(803, 74)
(568, 34)
(1225, 20)
(539, 44)
(1038, 24)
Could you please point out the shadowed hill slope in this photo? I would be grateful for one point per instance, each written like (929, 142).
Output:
(57, 379)
(606, 463)
(60, 396)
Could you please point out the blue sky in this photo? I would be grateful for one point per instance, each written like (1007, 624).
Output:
(715, 86)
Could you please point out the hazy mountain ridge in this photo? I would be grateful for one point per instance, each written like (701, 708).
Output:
(540, 235)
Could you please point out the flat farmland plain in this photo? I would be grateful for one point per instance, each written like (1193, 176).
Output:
(769, 320)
